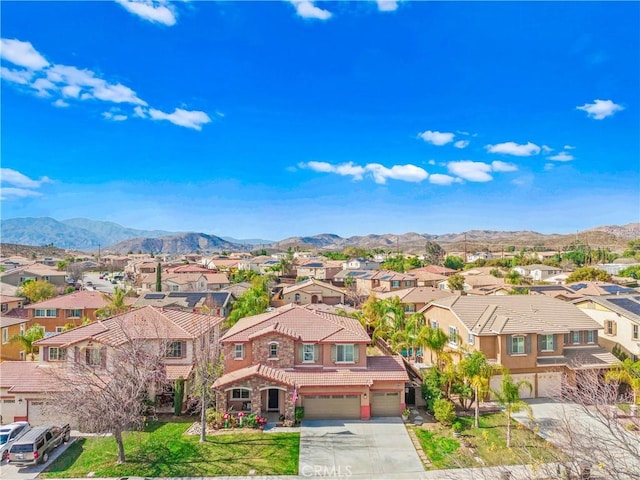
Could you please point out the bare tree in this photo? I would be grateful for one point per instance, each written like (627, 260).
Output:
(107, 388)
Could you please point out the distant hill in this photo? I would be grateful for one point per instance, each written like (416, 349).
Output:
(181, 243)
(110, 232)
(248, 241)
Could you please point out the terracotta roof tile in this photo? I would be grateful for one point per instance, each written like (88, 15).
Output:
(27, 377)
(176, 371)
(82, 299)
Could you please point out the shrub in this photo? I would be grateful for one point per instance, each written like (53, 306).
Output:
(299, 414)
(215, 419)
(444, 411)
(457, 426)
(431, 391)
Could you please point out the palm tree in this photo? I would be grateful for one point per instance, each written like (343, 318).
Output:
(435, 340)
(509, 398)
(116, 304)
(28, 338)
(476, 370)
(627, 372)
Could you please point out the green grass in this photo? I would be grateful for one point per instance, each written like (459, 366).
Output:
(163, 451)
(488, 442)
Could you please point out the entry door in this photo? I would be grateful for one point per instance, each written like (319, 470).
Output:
(272, 403)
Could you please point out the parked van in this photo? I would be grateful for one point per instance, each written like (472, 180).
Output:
(36, 445)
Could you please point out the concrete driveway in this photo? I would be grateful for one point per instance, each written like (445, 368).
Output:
(379, 448)
(12, 472)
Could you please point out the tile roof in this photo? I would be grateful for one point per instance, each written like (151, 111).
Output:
(81, 299)
(309, 284)
(626, 305)
(308, 325)
(415, 294)
(437, 269)
(10, 298)
(27, 377)
(183, 299)
(509, 314)
(174, 372)
(8, 320)
(383, 368)
(589, 357)
(143, 323)
(593, 288)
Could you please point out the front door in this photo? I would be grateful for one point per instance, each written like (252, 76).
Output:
(272, 402)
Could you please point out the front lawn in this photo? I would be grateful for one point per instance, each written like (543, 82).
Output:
(484, 446)
(162, 450)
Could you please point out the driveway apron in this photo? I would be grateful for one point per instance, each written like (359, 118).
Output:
(367, 449)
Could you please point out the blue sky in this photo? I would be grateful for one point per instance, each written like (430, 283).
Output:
(284, 118)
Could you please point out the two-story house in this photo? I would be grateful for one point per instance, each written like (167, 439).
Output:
(619, 317)
(319, 269)
(54, 314)
(175, 282)
(294, 356)
(13, 323)
(537, 272)
(538, 338)
(215, 303)
(177, 334)
(415, 298)
(36, 271)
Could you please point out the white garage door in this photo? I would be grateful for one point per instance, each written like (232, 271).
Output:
(7, 410)
(549, 384)
(38, 415)
(326, 407)
(494, 384)
(385, 404)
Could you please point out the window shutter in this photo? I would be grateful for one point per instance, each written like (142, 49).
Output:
(45, 353)
(87, 356)
(509, 345)
(527, 344)
(540, 337)
(334, 353)
(76, 354)
(581, 335)
(300, 357)
(566, 339)
(595, 336)
(183, 349)
(316, 352)
(615, 327)
(356, 353)
(103, 357)
(555, 342)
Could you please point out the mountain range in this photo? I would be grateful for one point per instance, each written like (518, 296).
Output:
(90, 235)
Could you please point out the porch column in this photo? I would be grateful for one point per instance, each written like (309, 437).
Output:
(221, 401)
(256, 401)
(289, 406)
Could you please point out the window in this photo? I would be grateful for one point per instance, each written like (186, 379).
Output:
(175, 350)
(592, 336)
(471, 339)
(240, 394)
(635, 332)
(609, 326)
(308, 352)
(409, 308)
(344, 353)
(4, 307)
(517, 345)
(453, 335)
(434, 324)
(45, 312)
(546, 343)
(297, 298)
(238, 351)
(395, 283)
(59, 329)
(57, 354)
(407, 283)
(5, 335)
(22, 328)
(74, 313)
(273, 350)
(575, 337)
(93, 357)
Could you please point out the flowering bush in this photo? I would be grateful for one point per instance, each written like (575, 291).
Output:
(255, 421)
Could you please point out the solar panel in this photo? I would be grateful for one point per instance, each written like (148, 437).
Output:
(617, 289)
(628, 304)
(154, 296)
(578, 286)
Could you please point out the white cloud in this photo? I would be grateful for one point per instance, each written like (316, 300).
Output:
(562, 157)
(461, 144)
(116, 117)
(184, 118)
(546, 149)
(549, 166)
(498, 166)
(153, 11)
(387, 5)
(432, 162)
(512, 148)
(600, 109)
(472, 171)
(22, 54)
(569, 147)
(65, 83)
(406, 173)
(20, 185)
(16, 76)
(436, 138)
(306, 9)
(441, 179)
(380, 173)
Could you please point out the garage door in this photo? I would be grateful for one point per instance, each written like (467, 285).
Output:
(325, 407)
(7, 410)
(494, 384)
(385, 404)
(549, 384)
(38, 415)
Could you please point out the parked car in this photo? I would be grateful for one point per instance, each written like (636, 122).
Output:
(9, 434)
(37, 444)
